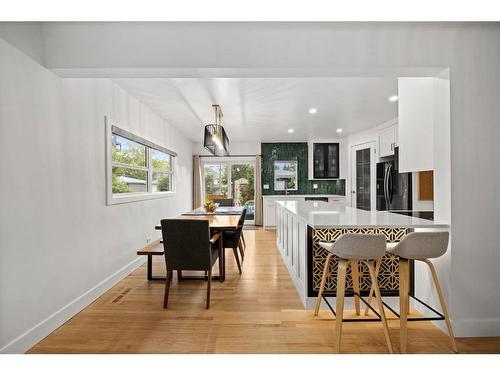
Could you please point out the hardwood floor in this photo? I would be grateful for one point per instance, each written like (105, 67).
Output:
(255, 312)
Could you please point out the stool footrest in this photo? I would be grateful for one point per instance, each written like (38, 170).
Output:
(422, 318)
(378, 319)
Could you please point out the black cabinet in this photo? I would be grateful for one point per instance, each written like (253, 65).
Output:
(326, 160)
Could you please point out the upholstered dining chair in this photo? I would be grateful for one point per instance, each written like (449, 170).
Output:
(188, 246)
(232, 239)
(224, 202)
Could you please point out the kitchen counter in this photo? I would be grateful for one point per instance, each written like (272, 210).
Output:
(302, 225)
(328, 215)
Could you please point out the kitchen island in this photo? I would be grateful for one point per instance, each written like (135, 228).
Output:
(301, 225)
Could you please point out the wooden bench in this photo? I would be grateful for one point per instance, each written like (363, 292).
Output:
(153, 248)
(156, 248)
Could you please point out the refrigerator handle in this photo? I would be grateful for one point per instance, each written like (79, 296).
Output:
(386, 192)
(390, 187)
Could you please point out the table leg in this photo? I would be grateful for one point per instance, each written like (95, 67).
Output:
(223, 257)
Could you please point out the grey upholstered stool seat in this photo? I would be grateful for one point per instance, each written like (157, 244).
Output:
(351, 248)
(355, 246)
(419, 246)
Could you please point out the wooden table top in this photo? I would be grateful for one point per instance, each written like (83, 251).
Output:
(227, 222)
(218, 211)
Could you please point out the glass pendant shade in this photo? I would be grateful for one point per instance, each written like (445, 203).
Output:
(215, 139)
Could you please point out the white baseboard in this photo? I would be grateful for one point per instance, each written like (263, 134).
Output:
(32, 336)
(472, 327)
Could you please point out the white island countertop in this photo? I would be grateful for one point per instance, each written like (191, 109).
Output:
(330, 215)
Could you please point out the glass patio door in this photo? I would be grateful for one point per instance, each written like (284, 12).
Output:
(231, 183)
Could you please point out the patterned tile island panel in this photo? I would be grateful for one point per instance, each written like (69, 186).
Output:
(272, 152)
(388, 277)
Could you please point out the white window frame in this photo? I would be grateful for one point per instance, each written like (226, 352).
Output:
(111, 198)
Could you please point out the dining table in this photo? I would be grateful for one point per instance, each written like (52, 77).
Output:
(224, 220)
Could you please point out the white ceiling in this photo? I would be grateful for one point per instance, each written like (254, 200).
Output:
(263, 109)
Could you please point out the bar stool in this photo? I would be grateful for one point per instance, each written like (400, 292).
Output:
(352, 248)
(419, 246)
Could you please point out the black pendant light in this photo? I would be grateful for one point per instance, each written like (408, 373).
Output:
(216, 140)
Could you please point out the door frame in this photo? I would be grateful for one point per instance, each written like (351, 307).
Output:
(372, 145)
(229, 161)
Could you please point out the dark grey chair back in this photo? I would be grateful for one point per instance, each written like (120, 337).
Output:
(224, 202)
(186, 244)
(241, 221)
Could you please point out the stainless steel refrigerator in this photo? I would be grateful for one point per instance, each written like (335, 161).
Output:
(394, 190)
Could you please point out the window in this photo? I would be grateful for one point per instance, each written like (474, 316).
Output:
(161, 163)
(285, 175)
(137, 168)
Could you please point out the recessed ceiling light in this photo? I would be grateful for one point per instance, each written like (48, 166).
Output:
(290, 130)
(312, 111)
(393, 98)
(339, 130)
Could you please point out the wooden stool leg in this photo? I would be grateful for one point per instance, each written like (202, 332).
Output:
(404, 286)
(443, 304)
(355, 283)
(209, 284)
(167, 288)
(341, 276)
(373, 276)
(323, 282)
(378, 262)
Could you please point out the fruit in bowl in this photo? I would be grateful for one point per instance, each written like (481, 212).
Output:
(210, 206)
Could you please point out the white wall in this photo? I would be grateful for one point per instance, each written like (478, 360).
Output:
(61, 246)
(26, 36)
(424, 285)
(416, 123)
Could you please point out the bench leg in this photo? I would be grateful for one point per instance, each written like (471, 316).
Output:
(150, 267)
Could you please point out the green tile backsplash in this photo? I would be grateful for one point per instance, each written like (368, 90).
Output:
(272, 152)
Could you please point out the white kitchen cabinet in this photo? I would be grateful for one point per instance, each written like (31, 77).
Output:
(387, 140)
(337, 200)
(416, 111)
(324, 159)
(269, 213)
(291, 241)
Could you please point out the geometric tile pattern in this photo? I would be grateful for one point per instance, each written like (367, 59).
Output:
(388, 277)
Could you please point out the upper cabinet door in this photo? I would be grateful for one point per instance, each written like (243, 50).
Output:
(326, 161)
(318, 161)
(332, 160)
(416, 122)
(387, 141)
